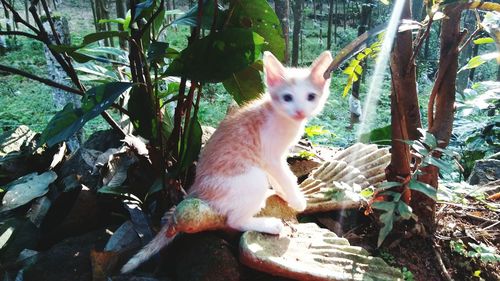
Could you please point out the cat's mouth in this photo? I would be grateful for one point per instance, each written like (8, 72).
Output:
(299, 115)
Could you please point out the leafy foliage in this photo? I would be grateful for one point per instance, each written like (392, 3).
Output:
(355, 68)
(69, 120)
(238, 48)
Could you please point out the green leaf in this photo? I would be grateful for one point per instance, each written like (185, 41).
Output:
(192, 145)
(88, 39)
(157, 51)
(245, 85)
(115, 190)
(367, 192)
(442, 165)
(386, 185)
(380, 136)
(143, 7)
(479, 60)
(312, 131)
(423, 188)
(215, 57)
(427, 138)
(349, 70)
(25, 189)
(69, 120)
(118, 21)
(258, 16)
(358, 69)
(387, 218)
(404, 210)
(190, 18)
(484, 40)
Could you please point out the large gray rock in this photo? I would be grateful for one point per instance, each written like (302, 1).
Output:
(308, 252)
(485, 171)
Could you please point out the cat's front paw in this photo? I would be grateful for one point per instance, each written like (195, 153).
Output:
(273, 226)
(298, 203)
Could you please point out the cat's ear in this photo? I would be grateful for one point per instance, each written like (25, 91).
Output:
(318, 68)
(273, 69)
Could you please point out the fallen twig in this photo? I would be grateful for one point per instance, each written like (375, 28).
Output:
(439, 259)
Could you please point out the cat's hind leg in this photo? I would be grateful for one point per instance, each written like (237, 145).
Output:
(245, 197)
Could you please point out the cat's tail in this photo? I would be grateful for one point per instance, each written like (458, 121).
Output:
(160, 241)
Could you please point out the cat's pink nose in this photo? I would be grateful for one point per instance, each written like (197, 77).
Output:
(299, 115)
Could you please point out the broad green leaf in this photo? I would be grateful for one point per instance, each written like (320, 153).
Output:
(88, 39)
(143, 7)
(404, 210)
(215, 57)
(192, 145)
(69, 120)
(367, 192)
(442, 165)
(349, 70)
(386, 185)
(312, 131)
(118, 21)
(360, 56)
(427, 138)
(479, 60)
(190, 18)
(423, 188)
(380, 136)
(258, 16)
(25, 189)
(142, 112)
(245, 85)
(348, 86)
(387, 218)
(157, 51)
(98, 72)
(484, 40)
(358, 69)
(115, 190)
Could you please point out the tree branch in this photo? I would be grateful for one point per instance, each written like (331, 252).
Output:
(20, 33)
(40, 79)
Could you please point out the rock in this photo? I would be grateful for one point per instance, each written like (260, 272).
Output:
(308, 252)
(485, 171)
(337, 182)
(204, 256)
(67, 260)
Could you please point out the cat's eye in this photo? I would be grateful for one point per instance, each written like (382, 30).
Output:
(311, 96)
(287, 97)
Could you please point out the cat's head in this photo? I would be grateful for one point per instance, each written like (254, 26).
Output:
(297, 93)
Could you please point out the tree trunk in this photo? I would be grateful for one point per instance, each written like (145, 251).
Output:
(282, 8)
(405, 114)
(26, 10)
(297, 20)
(335, 23)
(354, 102)
(330, 22)
(57, 74)
(442, 99)
(466, 53)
